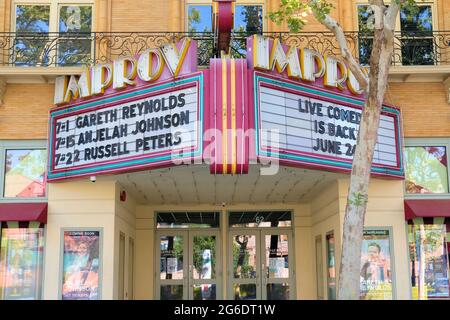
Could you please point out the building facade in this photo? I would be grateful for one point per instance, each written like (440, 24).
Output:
(184, 215)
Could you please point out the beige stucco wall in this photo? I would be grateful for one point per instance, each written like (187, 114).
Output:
(79, 204)
(125, 223)
(83, 204)
(75, 204)
(145, 254)
(325, 218)
(303, 252)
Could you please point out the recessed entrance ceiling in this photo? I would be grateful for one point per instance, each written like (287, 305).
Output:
(195, 185)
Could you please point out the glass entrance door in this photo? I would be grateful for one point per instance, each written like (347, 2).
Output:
(189, 265)
(244, 272)
(171, 249)
(204, 264)
(259, 268)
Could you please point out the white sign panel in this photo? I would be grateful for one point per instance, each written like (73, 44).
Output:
(132, 129)
(299, 124)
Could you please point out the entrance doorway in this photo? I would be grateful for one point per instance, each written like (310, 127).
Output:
(261, 262)
(189, 259)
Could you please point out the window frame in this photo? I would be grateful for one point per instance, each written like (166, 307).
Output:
(398, 60)
(54, 11)
(262, 3)
(20, 145)
(53, 25)
(432, 3)
(427, 142)
(157, 212)
(254, 3)
(410, 274)
(197, 4)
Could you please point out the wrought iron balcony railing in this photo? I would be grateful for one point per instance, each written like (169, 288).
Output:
(76, 49)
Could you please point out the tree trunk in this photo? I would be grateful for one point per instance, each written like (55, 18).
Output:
(349, 273)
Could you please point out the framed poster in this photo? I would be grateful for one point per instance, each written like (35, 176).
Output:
(81, 264)
(376, 261)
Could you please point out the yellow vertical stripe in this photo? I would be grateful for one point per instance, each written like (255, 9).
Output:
(224, 115)
(233, 116)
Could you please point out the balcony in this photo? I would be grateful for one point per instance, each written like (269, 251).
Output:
(48, 54)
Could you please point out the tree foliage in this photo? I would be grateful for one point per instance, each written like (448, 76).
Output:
(296, 12)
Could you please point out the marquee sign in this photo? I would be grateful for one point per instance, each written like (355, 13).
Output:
(281, 102)
(142, 128)
(306, 126)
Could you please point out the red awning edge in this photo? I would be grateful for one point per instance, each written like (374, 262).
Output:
(427, 208)
(24, 212)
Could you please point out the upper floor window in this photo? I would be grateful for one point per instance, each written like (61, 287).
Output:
(248, 18)
(32, 18)
(52, 33)
(426, 167)
(417, 36)
(24, 170)
(365, 36)
(200, 18)
(414, 44)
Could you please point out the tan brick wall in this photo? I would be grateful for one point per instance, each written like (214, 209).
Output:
(2, 15)
(24, 113)
(425, 110)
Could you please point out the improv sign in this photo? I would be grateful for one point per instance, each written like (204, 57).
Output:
(309, 126)
(139, 128)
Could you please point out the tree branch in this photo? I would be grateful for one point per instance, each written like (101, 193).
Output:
(378, 9)
(391, 16)
(354, 66)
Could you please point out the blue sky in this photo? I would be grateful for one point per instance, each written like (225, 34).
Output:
(205, 23)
